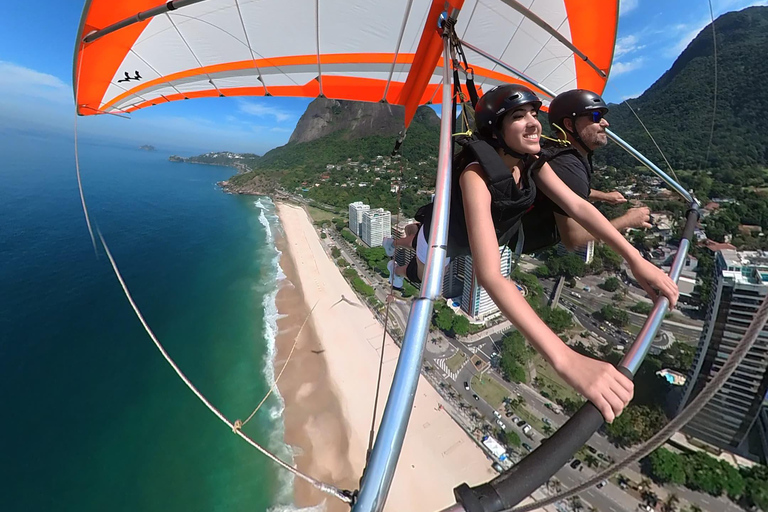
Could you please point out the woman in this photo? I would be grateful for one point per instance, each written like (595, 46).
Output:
(507, 118)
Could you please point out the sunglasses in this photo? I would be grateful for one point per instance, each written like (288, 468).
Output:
(596, 116)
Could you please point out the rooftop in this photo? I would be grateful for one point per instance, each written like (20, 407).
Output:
(745, 266)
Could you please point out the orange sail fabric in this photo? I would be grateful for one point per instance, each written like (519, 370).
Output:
(361, 50)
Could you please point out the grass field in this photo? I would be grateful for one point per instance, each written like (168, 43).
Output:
(318, 214)
(489, 389)
(456, 361)
(552, 383)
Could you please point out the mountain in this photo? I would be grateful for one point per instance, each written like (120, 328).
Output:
(677, 109)
(330, 131)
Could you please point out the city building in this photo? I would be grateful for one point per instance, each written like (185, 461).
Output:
(376, 226)
(740, 285)
(586, 253)
(475, 301)
(356, 216)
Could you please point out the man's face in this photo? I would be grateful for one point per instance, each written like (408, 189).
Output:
(591, 132)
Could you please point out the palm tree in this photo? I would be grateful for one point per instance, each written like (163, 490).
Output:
(645, 483)
(696, 508)
(576, 504)
(591, 461)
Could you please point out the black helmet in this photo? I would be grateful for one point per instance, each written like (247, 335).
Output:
(494, 104)
(574, 103)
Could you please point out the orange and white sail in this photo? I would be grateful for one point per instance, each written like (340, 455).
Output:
(364, 50)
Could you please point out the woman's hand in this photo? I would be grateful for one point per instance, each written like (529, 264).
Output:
(652, 278)
(597, 381)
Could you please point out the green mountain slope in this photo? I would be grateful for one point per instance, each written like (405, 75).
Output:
(678, 108)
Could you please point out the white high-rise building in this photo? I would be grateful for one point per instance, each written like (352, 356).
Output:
(586, 252)
(376, 225)
(356, 216)
(741, 284)
(475, 301)
(403, 255)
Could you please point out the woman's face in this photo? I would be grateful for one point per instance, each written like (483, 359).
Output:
(522, 130)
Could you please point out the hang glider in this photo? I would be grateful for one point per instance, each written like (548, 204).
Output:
(365, 50)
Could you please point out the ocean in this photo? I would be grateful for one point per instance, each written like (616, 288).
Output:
(93, 418)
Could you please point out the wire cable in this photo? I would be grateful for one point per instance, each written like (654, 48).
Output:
(277, 379)
(738, 354)
(714, 94)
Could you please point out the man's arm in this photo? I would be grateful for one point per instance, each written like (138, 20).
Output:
(574, 236)
(614, 197)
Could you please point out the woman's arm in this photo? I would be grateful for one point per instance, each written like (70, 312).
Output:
(599, 382)
(648, 275)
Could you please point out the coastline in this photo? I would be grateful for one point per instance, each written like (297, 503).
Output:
(328, 393)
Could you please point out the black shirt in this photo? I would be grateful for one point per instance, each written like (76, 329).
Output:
(539, 223)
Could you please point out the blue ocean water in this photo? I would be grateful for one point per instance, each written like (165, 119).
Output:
(93, 418)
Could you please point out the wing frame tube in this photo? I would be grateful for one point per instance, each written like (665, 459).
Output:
(377, 479)
(510, 488)
(677, 187)
(138, 18)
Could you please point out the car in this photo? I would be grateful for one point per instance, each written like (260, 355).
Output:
(521, 423)
(546, 420)
(466, 385)
(602, 484)
(501, 424)
(497, 414)
(527, 447)
(515, 419)
(576, 463)
(474, 395)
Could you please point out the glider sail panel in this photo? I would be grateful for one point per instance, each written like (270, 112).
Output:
(361, 50)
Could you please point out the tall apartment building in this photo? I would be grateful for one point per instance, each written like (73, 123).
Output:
(475, 301)
(741, 284)
(376, 225)
(356, 216)
(586, 253)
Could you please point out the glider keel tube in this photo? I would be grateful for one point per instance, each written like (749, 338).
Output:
(139, 17)
(507, 490)
(389, 441)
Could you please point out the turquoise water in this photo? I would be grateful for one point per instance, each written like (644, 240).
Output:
(93, 418)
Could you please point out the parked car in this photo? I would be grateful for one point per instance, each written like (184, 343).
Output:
(497, 414)
(546, 420)
(521, 423)
(602, 484)
(474, 395)
(527, 447)
(466, 385)
(501, 424)
(576, 463)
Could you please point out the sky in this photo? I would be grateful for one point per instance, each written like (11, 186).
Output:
(37, 47)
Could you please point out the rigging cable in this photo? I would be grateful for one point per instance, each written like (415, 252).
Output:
(714, 94)
(240, 424)
(340, 494)
(738, 354)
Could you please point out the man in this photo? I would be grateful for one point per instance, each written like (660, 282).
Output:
(577, 115)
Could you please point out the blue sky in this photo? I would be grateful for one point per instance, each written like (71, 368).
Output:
(37, 43)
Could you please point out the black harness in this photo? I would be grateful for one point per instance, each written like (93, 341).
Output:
(509, 202)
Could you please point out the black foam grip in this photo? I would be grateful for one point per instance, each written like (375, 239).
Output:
(510, 488)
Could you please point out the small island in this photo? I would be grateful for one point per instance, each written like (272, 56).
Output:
(147, 147)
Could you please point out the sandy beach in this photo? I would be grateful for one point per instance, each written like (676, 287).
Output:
(329, 386)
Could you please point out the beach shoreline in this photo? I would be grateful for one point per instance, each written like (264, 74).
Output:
(339, 362)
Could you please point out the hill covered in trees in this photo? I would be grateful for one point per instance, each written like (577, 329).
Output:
(678, 108)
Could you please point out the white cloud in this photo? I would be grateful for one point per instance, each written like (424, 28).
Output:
(25, 82)
(261, 110)
(627, 44)
(620, 68)
(627, 6)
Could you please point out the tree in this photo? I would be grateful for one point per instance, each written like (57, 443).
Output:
(636, 424)
(513, 439)
(642, 308)
(512, 370)
(444, 319)
(665, 466)
(611, 284)
(679, 356)
(591, 461)
(670, 504)
(614, 315)
(559, 320)
(460, 325)
(335, 252)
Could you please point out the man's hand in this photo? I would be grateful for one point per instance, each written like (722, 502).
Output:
(614, 197)
(638, 217)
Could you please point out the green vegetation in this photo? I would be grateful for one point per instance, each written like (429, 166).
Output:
(611, 284)
(489, 389)
(512, 438)
(456, 361)
(335, 252)
(349, 236)
(559, 320)
(320, 216)
(515, 354)
(636, 424)
(641, 307)
(614, 315)
(447, 321)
